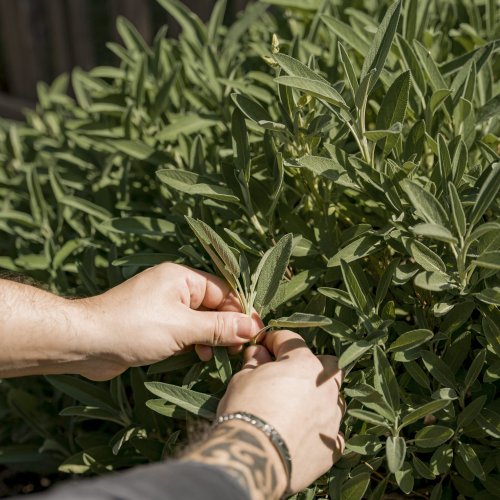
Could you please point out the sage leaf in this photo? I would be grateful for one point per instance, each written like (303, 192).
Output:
(381, 44)
(435, 232)
(300, 320)
(314, 87)
(486, 195)
(468, 455)
(410, 340)
(424, 410)
(395, 452)
(195, 184)
(432, 436)
(385, 380)
(426, 205)
(194, 402)
(270, 272)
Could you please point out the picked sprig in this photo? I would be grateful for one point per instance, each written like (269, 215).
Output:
(255, 291)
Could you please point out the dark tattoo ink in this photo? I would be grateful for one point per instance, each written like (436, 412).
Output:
(244, 456)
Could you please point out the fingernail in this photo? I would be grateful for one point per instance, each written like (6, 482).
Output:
(244, 327)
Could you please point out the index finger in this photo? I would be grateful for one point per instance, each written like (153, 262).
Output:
(285, 343)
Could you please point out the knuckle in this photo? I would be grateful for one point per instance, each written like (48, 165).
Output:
(165, 267)
(220, 327)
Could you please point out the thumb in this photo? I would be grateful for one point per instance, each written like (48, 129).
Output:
(220, 328)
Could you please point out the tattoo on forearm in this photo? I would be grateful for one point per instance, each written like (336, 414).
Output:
(243, 454)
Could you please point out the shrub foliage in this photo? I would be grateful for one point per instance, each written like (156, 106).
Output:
(337, 163)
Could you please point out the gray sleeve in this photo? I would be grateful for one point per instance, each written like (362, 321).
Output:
(160, 481)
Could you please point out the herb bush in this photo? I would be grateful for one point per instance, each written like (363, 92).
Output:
(350, 160)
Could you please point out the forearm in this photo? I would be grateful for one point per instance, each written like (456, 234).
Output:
(39, 332)
(247, 453)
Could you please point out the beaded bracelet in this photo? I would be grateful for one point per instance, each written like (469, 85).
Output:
(271, 433)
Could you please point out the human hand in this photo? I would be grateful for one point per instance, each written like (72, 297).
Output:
(298, 394)
(156, 314)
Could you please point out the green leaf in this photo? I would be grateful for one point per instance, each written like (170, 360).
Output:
(300, 320)
(251, 109)
(381, 44)
(438, 369)
(492, 333)
(432, 436)
(186, 124)
(361, 95)
(355, 488)
(488, 260)
(368, 416)
(385, 380)
(395, 452)
(241, 148)
(346, 34)
(136, 149)
(486, 195)
(139, 225)
(166, 409)
(216, 20)
(488, 295)
(354, 352)
(162, 98)
(355, 284)
(404, 478)
(222, 364)
(385, 281)
(457, 211)
(470, 412)
(474, 369)
(424, 256)
(191, 25)
(445, 167)
(296, 4)
(83, 391)
(468, 455)
(390, 134)
(426, 205)
(194, 402)
(313, 87)
(438, 97)
(434, 281)
(410, 340)
(359, 248)
(325, 167)
(85, 206)
(208, 237)
(270, 272)
(364, 444)
(195, 184)
(435, 232)
(424, 410)
(422, 468)
(434, 76)
(393, 107)
(340, 296)
(91, 413)
(348, 69)
(293, 67)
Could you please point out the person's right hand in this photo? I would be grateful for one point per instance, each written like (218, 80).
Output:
(298, 394)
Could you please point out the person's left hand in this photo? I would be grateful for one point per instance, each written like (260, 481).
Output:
(156, 314)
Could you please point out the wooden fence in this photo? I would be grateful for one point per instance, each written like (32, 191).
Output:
(39, 39)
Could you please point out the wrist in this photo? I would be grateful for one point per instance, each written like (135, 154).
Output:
(95, 340)
(248, 454)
